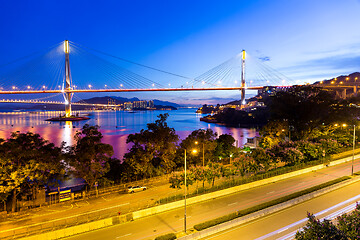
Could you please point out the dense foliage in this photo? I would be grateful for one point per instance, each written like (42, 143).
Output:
(89, 158)
(345, 227)
(153, 149)
(27, 161)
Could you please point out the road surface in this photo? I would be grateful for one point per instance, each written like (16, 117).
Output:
(173, 221)
(287, 221)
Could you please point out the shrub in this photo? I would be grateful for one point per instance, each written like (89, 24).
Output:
(169, 236)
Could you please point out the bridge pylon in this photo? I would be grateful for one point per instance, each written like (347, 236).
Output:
(243, 77)
(68, 81)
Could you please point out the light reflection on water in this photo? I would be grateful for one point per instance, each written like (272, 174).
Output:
(115, 126)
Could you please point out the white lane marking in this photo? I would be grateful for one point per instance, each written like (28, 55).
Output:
(105, 199)
(124, 235)
(232, 203)
(186, 218)
(283, 230)
(271, 192)
(305, 219)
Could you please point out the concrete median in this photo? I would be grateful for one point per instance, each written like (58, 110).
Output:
(241, 220)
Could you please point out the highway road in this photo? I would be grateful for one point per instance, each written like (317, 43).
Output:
(173, 221)
(285, 223)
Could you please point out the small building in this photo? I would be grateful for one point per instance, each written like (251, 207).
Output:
(252, 142)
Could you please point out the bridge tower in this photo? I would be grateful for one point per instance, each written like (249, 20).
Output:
(68, 80)
(243, 78)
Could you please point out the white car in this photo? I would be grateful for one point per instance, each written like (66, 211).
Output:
(133, 189)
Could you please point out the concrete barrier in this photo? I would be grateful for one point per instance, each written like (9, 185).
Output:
(70, 231)
(241, 220)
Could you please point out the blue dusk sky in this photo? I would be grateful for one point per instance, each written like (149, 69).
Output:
(304, 40)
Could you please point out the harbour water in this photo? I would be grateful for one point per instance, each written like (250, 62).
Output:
(114, 125)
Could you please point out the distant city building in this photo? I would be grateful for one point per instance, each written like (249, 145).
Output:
(151, 104)
(139, 104)
(128, 105)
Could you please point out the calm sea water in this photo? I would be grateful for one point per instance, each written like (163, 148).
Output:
(114, 125)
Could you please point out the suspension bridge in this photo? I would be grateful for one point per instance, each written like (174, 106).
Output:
(57, 79)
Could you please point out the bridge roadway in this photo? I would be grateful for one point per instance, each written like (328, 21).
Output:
(130, 90)
(173, 221)
(54, 102)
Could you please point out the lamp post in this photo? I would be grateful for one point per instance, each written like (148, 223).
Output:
(353, 153)
(203, 152)
(185, 193)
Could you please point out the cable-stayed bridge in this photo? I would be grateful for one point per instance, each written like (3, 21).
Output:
(48, 72)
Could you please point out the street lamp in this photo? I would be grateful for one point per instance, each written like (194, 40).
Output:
(194, 151)
(203, 152)
(353, 153)
(185, 193)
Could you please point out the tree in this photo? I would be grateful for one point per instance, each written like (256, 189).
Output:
(273, 133)
(311, 151)
(346, 227)
(177, 180)
(262, 158)
(27, 162)
(213, 172)
(89, 158)
(225, 146)
(350, 223)
(199, 174)
(306, 108)
(292, 156)
(116, 172)
(205, 140)
(316, 229)
(153, 149)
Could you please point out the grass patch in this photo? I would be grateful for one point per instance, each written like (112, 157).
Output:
(256, 208)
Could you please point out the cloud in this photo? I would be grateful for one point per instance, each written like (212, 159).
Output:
(266, 59)
(325, 66)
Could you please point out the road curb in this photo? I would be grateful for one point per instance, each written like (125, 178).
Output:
(250, 217)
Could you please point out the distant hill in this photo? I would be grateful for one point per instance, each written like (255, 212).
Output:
(350, 79)
(120, 100)
(165, 103)
(106, 99)
(236, 102)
